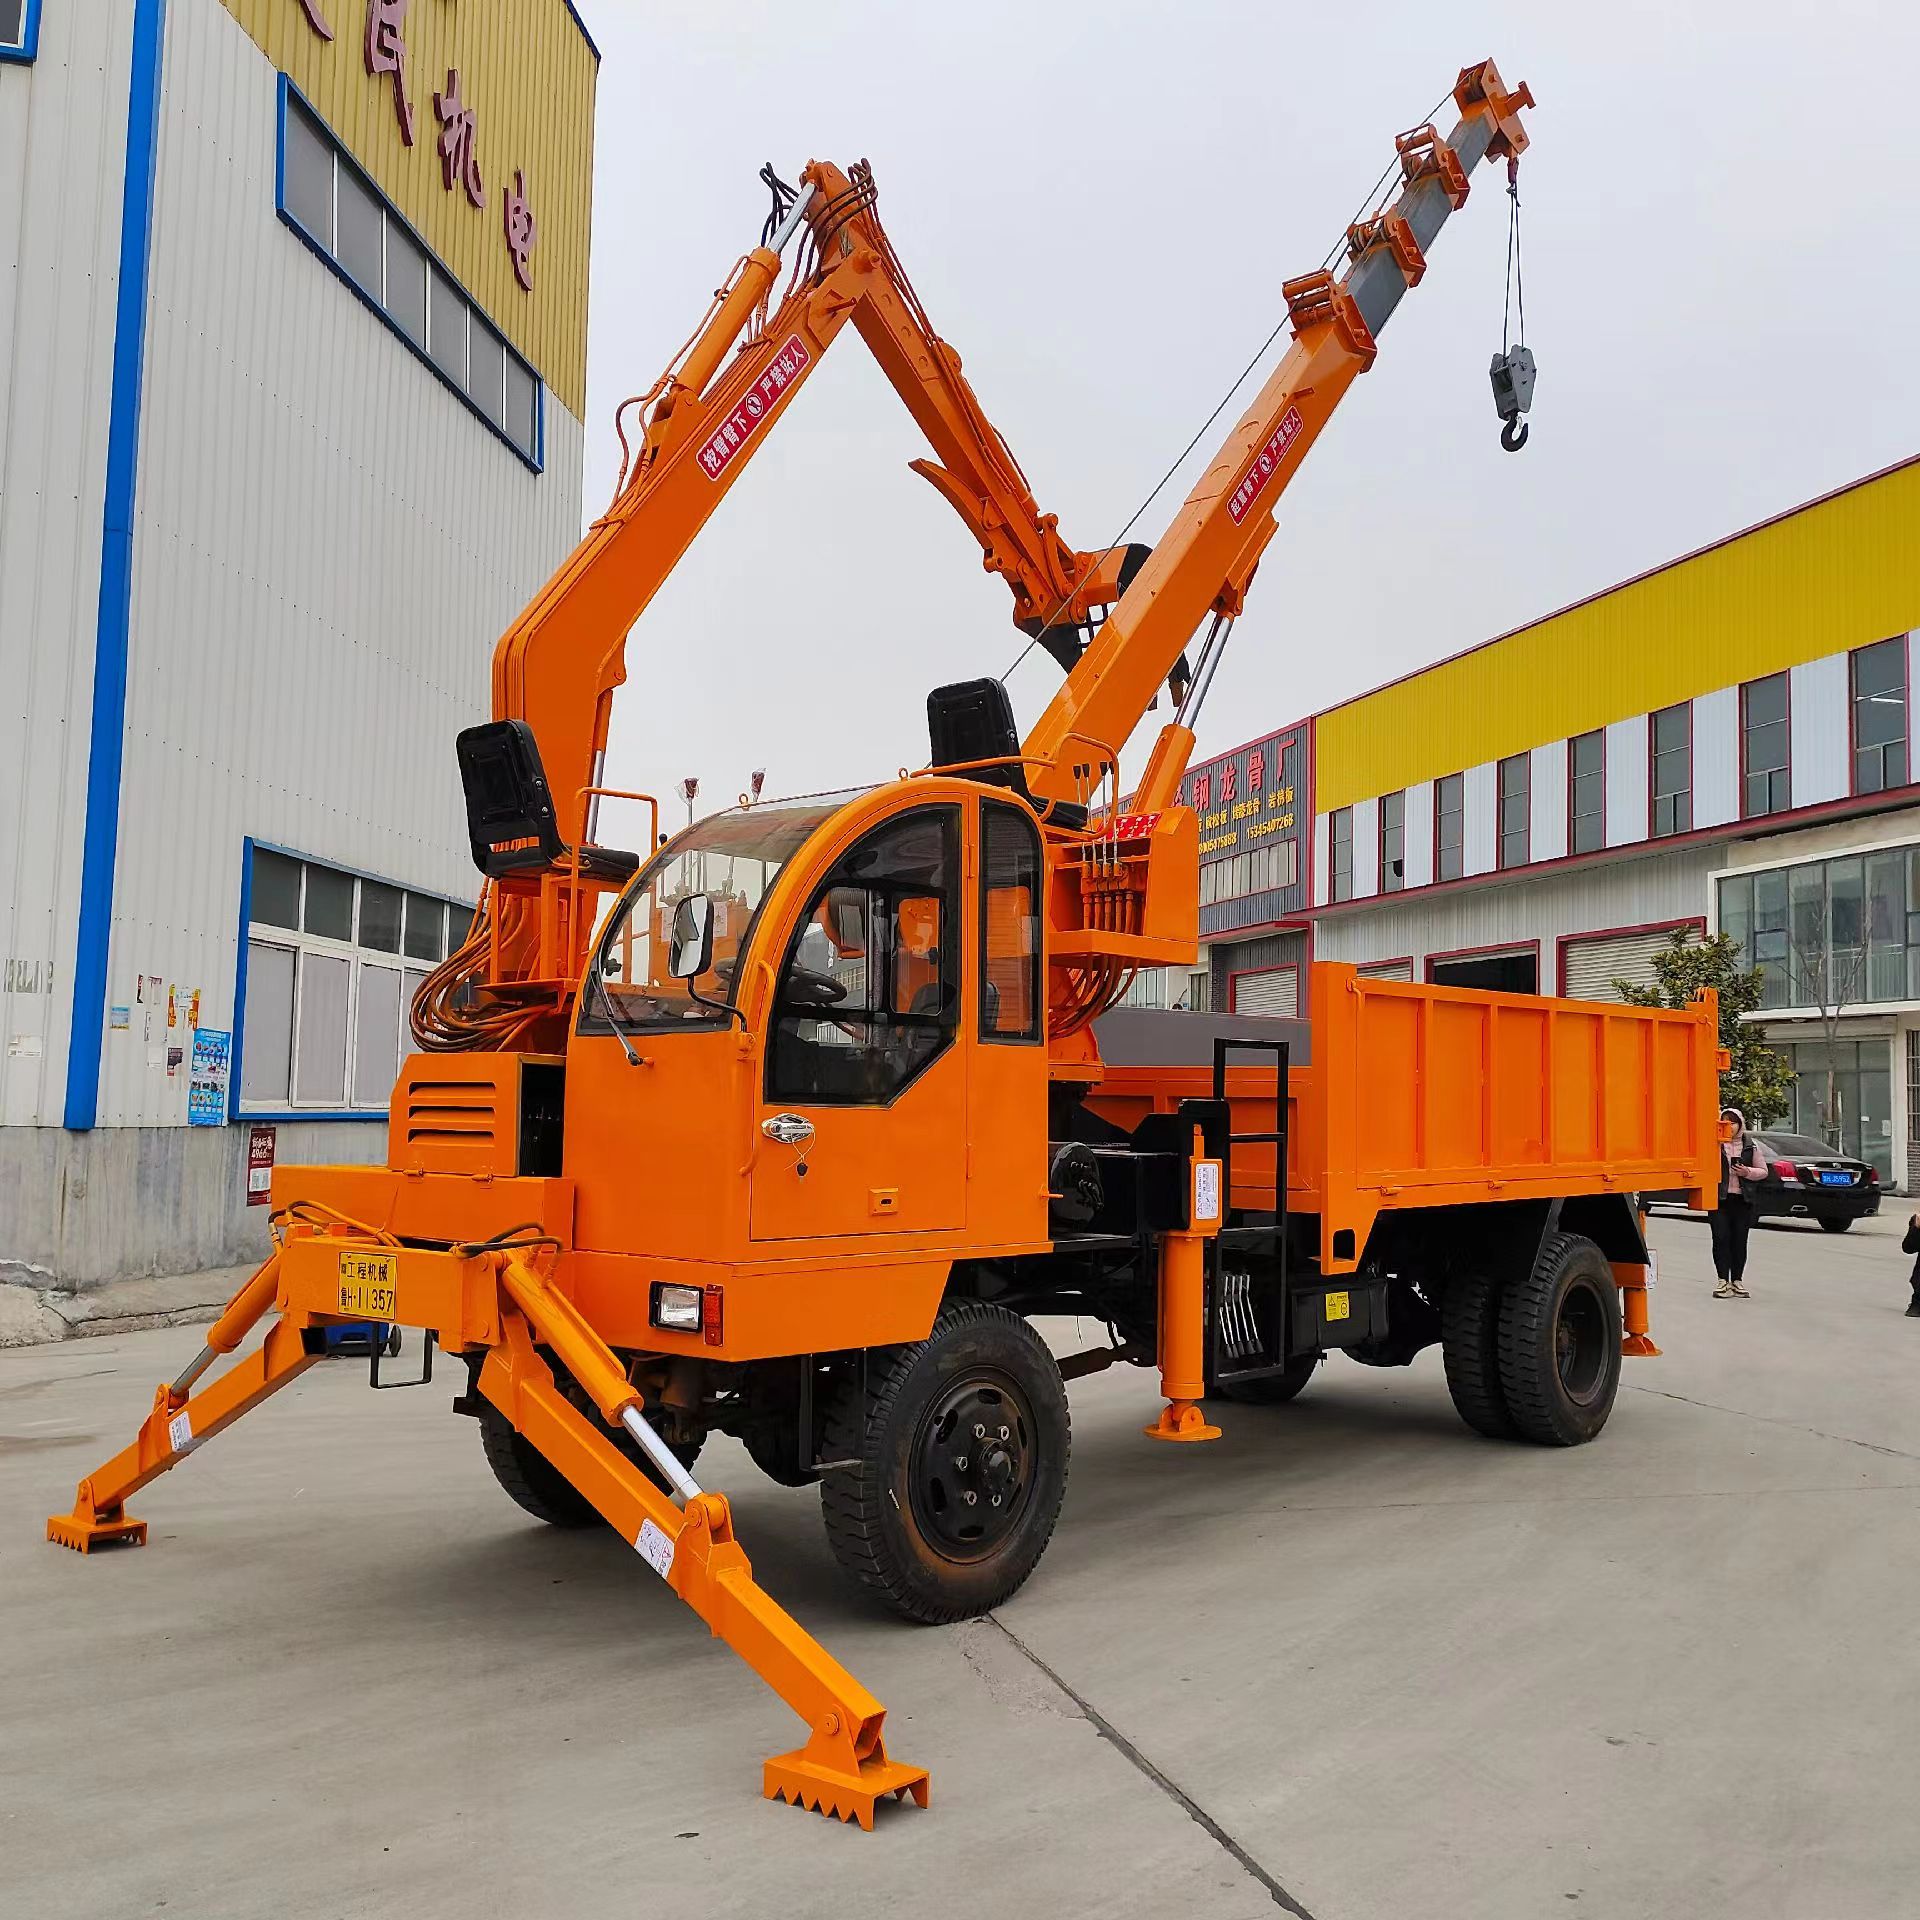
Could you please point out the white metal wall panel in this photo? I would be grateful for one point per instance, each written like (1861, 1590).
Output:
(1592, 966)
(1547, 808)
(1418, 866)
(63, 134)
(1637, 891)
(1627, 781)
(1275, 990)
(1479, 796)
(328, 545)
(1821, 736)
(1320, 863)
(1716, 757)
(1366, 849)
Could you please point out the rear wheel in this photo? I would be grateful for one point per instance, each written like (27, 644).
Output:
(532, 1481)
(961, 1441)
(1277, 1388)
(1834, 1226)
(1560, 1344)
(1470, 1347)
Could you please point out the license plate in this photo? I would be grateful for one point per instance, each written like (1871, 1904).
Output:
(366, 1285)
(1836, 1179)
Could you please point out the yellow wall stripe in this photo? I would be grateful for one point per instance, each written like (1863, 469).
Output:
(1838, 573)
(529, 75)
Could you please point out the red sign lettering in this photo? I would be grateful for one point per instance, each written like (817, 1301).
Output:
(315, 19)
(517, 217)
(739, 426)
(387, 53)
(459, 142)
(1265, 462)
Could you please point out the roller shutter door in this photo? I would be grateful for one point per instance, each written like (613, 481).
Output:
(1274, 990)
(1592, 965)
(1386, 970)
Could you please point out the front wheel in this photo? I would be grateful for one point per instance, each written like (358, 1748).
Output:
(1834, 1226)
(960, 1446)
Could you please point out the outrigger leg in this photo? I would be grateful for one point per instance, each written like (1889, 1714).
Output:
(843, 1769)
(512, 1313)
(181, 1420)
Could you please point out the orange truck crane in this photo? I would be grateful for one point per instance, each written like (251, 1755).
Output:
(792, 1130)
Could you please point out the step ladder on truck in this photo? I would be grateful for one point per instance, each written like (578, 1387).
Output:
(789, 1130)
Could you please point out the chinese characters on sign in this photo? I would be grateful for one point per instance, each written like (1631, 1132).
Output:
(517, 214)
(738, 427)
(459, 142)
(385, 51)
(1264, 464)
(207, 1077)
(1251, 865)
(387, 54)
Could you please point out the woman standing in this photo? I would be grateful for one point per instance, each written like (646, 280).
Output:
(1741, 1163)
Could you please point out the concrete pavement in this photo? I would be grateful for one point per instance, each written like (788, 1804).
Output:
(1350, 1657)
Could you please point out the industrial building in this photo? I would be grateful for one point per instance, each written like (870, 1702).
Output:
(1721, 743)
(294, 352)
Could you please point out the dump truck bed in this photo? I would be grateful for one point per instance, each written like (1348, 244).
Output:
(1406, 1095)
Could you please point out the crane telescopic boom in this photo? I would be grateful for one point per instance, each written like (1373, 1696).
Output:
(1206, 557)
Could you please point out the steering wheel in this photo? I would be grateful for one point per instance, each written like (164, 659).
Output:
(805, 988)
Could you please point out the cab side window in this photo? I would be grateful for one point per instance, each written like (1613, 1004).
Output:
(1010, 898)
(869, 992)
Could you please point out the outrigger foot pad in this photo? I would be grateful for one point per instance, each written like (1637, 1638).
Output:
(85, 1531)
(804, 1780)
(1181, 1420)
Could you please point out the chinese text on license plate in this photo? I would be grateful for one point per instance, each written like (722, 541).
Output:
(366, 1285)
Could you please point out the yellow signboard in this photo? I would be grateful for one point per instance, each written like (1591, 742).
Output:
(477, 123)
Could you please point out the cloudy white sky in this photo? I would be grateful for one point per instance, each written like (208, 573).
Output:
(1098, 205)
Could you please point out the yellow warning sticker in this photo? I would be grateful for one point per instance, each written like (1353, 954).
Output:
(1337, 1308)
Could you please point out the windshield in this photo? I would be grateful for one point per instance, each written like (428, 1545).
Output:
(732, 859)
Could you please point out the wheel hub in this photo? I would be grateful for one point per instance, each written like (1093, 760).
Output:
(972, 1466)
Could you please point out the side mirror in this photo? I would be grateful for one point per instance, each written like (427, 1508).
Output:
(690, 950)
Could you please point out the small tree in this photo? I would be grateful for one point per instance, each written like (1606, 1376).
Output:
(1758, 1079)
(1828, 979)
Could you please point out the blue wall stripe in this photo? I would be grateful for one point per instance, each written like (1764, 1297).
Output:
(102, 835)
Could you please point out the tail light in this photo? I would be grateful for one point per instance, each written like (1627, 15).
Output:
(1873, 1176)
(710, 1320)
(1786, 1169)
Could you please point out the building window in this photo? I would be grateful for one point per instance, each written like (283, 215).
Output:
(1393, 842)
(1516, 779)
(19, 29)
(1587, 792)
(332, 964)
(340, 212)
(1340, 854)
(1264, 870)
(1767, 785)
(1449, 826)
(1830, 933)
(1880, 716)
(1670, 769)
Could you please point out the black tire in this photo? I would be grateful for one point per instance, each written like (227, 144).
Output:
(1470, 1347)
(777, 1455)
(532, 1481)
(1277, 1388)
(1831, 1225)
(393, 1343)
(899, 1521)
(1560, 1344)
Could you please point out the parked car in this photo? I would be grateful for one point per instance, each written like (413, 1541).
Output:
(1806, 1180)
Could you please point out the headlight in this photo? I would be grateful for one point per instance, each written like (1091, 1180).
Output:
(676, 1308)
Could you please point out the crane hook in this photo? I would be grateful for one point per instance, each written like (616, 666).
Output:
(1513, 434)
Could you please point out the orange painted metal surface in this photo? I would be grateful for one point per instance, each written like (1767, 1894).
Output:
(1427, 1096)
